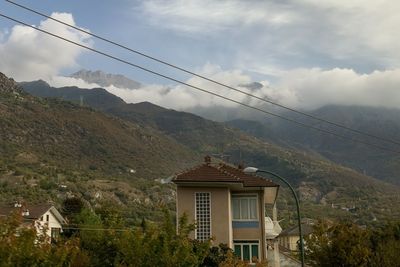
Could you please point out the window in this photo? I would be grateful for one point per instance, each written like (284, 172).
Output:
(47, 218)
(203, 216)
(244, 207)
(247, 250)
(55, 234)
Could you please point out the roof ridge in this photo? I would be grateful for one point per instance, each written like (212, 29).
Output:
(227, 172)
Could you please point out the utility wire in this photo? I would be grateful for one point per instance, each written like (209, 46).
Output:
(346, 138)
(84, 227)
(206, 78)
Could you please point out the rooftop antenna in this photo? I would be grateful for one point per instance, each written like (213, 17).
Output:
(222, 156)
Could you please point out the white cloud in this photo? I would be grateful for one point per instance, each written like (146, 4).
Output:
(61, 81)
(209, 16)
(27, 54)
(289, 34)
(313, 88)
(305, 89)
(301, 88)
(176, 96)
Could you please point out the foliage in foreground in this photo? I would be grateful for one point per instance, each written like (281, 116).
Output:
(347, 244)
(104, 240)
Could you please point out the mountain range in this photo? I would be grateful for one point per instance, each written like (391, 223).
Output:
(319, 181)
(380, 122)
(92, 144)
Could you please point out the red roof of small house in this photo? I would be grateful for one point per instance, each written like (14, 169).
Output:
(221, 173)
(31, 212)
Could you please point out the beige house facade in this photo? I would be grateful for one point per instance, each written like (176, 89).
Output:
(227, 205)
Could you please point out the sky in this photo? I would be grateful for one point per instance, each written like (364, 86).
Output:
(304, 53)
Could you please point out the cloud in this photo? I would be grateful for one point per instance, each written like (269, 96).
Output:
(61, 81)
(305, 89)
(362, 35)
(314, 88)
(210, 16)
(27, 54)
(178, 97)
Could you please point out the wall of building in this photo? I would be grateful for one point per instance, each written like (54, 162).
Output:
(289, 241)
(220, 210)
(42, 223)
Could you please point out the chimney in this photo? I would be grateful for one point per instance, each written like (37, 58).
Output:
(207, 160)
(25, 212)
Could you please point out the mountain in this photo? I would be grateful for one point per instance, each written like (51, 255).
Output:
(319, 181)
(383, 122)
(106, 79)
(50, 149)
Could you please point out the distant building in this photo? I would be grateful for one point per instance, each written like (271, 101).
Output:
(41, 216)
(289, 238)
(229, 205)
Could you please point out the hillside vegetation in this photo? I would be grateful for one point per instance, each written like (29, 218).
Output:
(382, 122)
(52, 148)
(326, 189)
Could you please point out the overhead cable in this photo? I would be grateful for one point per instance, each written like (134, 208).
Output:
(208, 79)
(346, 138)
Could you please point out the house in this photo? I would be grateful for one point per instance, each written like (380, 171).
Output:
(289, 238)
(44, 217)
(228, 205)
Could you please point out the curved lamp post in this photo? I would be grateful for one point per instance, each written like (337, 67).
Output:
(255, 170)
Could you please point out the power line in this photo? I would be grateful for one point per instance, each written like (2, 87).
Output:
(346, 138)
(83, 227)
(206, 78)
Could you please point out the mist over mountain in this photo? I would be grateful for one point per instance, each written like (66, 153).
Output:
(318, 180)
(106, 79)
(381, 122)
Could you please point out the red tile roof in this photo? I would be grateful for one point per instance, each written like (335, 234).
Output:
(221, 173)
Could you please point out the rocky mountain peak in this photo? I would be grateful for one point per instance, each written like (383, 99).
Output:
(8, 85)
(106, 79)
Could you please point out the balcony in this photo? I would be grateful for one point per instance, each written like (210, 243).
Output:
(272, 228)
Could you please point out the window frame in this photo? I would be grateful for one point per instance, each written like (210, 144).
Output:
(55, 234)
(250, 244)
(248, 197)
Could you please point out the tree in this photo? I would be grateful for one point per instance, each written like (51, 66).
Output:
(339, 244)
(21, 246)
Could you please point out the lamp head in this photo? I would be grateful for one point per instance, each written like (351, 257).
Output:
(250, 170)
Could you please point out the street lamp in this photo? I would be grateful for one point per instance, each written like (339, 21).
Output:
(255, 170)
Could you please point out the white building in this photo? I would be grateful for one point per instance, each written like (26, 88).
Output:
(44, 217)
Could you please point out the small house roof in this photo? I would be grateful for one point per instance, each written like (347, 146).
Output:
(221, 173)
(35, 211)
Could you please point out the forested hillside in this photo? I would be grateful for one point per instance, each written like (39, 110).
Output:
(320, 182)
